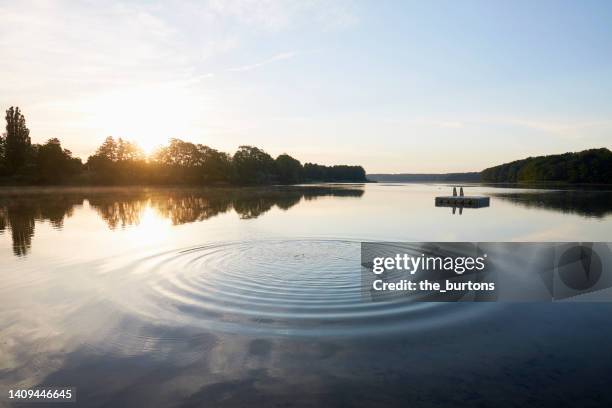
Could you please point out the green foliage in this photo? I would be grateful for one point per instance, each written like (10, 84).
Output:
(216, 166)
(118, 162)
(54, 164)
(185, 162)
(253, 166)
(16, 142)
(317, 172)
(107, 150)
(588, 166)
(289, 170)
(22, 162)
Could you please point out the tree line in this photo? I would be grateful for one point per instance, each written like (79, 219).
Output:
(588, 166)
(118, 161)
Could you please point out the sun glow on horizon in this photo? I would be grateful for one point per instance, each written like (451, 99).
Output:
(149, 117)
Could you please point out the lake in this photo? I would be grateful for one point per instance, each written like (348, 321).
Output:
(238, 297)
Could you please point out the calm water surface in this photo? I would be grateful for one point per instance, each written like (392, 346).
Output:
(182, 297)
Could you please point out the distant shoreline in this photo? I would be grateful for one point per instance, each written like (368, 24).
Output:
(587, 167)
(424, 177)
(551, 186)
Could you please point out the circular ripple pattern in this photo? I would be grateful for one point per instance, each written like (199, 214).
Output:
(295, 287)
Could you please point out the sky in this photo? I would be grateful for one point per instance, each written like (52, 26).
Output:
(396, 86)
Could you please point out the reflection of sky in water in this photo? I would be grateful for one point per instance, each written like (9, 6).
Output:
(262, 307)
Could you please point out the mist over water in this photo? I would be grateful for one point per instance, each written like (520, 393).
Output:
(183, 297)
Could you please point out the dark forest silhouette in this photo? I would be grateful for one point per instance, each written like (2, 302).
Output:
(19, 212)
(120, 162)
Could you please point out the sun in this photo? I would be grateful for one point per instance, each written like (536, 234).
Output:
(147, 116)
(149, 147)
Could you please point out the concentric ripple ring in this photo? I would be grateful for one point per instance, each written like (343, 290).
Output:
(278, 287)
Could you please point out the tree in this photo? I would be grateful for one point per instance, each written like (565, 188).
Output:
(17, 141)
(118, 162)
(128, 151)
(108, 149)
(317, 172)
(253, 165)
(289, 169)
(185, 162)
(180, 162)
(3, 168)
(54, 164)
(179, 153)
(216, 165)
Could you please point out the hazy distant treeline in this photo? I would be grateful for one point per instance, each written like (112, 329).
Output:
(472, 177)
(123, 162)
(588, 166)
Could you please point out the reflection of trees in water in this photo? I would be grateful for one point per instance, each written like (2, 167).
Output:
(119, 211)
(253, 206)
(185, 206)
(21, 222)
(586, 203)
(19, 213)
(182, 209)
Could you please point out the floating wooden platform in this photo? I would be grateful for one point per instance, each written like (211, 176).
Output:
(462, 201)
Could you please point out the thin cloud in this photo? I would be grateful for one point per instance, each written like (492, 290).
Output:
(278, 15)
(278, 57)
